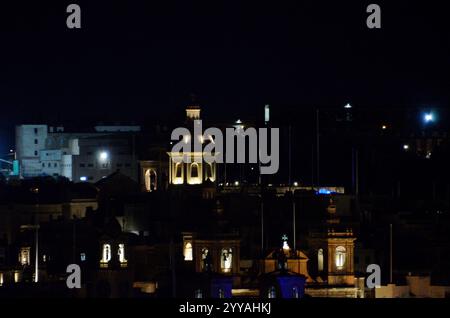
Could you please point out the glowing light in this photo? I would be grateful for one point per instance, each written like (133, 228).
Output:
(295, 184)
(103, 156)
(83, 178)
(428, 117)
(405, 147)
(348, 106)
(324, 191)
(236, 183)
(384, 127)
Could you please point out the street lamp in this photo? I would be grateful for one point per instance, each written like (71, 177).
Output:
(103, 156)
(428, 117)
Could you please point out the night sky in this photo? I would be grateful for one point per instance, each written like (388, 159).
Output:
(135, 60)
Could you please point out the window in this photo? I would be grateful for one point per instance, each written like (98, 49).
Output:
(55, 165)
(49, 165)
(221, 293)
(83, 257)
(24, 256)
(198, 293)
(35, 153)
(35, 141)
(340, 257)
(208, 172)
(119, 165)
(43, 165)
(205, 260)
(295, 292)
(188, 252)
(128, 165)
(89, 153)
(121, 252)
(90, 165)
(178, 171)
(226, 263)
(82, 165)
(194, 170)
(320, 260)
(35, 131)
(106, 255)
(272, 293)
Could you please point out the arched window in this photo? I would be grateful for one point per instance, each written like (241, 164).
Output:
(226, 262)
(221, 293)
(188, 252)
(121, 252)
(272, 293)
(150, 180)
(106, 255)
(198, 293)
(295, 293)
(340, 257)
(208, 172)
(320, 260)
(206, 260)
(194, 170)
(178, 170)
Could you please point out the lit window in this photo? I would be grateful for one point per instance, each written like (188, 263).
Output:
(16, 276)
(83, 178)
(24, 256)
(106, 255)
(83, 257)
(340, 257)
(295, 292)
(198, 293)
(221, 293)
(121, 252)
(1, 279)
(226, 260)
(272, 292)
(188, 252)
(320, 260)
(206, 260)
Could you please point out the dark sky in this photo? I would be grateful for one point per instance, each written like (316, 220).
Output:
(142, 59)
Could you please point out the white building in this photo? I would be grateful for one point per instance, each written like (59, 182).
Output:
(50, 151)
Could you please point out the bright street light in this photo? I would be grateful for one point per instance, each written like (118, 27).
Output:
(428, 117)
(103, 156)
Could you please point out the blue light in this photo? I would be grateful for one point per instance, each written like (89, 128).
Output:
(428, 117)
(324, 191)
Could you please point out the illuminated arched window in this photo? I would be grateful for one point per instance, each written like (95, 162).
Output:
(194, 170)
(24, 256)
(106, 255)
(320, 260)
(121, 253)
(188, 252)
(295, 293)
(205, 260)
(226, 262)
(198, 293)
(272, 293)
(150, 180)
(340, 257)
